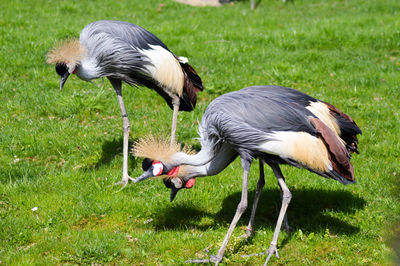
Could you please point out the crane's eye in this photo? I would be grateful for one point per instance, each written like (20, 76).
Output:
(61, 68)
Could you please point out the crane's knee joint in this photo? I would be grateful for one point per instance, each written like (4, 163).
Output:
(126, 126)
(242, 207)
(287, 196)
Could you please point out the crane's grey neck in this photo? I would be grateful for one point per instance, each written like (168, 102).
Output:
(209, 148)
(88, 69)
(202, 157)
(223, 157)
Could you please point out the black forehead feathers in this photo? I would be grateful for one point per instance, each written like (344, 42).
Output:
(167, 182)
(146, 164)
(61, 68)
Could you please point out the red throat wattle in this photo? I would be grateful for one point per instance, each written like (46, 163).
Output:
(190, 183)
(173, 172)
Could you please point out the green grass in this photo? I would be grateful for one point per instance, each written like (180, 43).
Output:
(62, 151)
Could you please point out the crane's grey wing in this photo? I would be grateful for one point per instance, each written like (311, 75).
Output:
(124, 32)
(245, 119)
(107, 49)
(280, 92)
(348, 128)
(254, 123)
(118, 49)
(114, 47)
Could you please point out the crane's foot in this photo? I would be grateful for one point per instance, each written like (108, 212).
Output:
(198, 261)
(124, 181)
(212, 259)
(215, 259)
(271, 251)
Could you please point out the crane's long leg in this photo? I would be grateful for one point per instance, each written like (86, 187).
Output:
(239, 211)
(175, 104)
(285, 219)
(287, 196)
(117, 87)
(260, 185)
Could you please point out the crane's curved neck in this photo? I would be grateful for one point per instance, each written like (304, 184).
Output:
(88, 69)
(223, 157)
(209, 149)
(202, 157)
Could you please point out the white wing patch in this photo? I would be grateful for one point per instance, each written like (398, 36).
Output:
(299, 146)
(165, 69)
(183, 59)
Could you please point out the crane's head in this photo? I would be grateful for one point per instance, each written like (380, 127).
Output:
(64, 70)
(66, 56)
(172, 180)
(161, 162)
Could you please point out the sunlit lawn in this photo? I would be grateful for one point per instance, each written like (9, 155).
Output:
(62, 151)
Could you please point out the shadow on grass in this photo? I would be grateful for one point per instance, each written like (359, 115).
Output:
(309, 211)
(112, 148)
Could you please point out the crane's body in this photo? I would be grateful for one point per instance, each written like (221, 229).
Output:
(122, 51)
(278, 125)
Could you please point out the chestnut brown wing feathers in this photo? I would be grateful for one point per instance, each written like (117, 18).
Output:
(348, 128)
(192, 85)
(338, 154)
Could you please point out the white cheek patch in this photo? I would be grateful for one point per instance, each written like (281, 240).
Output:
(177, 182)
(71, 68)
(157, 169)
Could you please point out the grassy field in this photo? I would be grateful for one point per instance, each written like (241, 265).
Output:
(62, 151)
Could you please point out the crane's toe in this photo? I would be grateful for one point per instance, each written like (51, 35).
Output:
(271, 251)
(198, 261)
(125, 180)
(215, 259)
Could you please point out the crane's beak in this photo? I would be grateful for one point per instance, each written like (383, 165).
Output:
(174, 191)
(63, 79)
(188, 184)
(145, 175)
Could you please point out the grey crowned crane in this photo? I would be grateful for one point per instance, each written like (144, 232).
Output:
(278, 125)
(122, 51)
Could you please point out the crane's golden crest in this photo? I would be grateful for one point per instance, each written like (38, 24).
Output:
(156, 148)
(70, 52)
